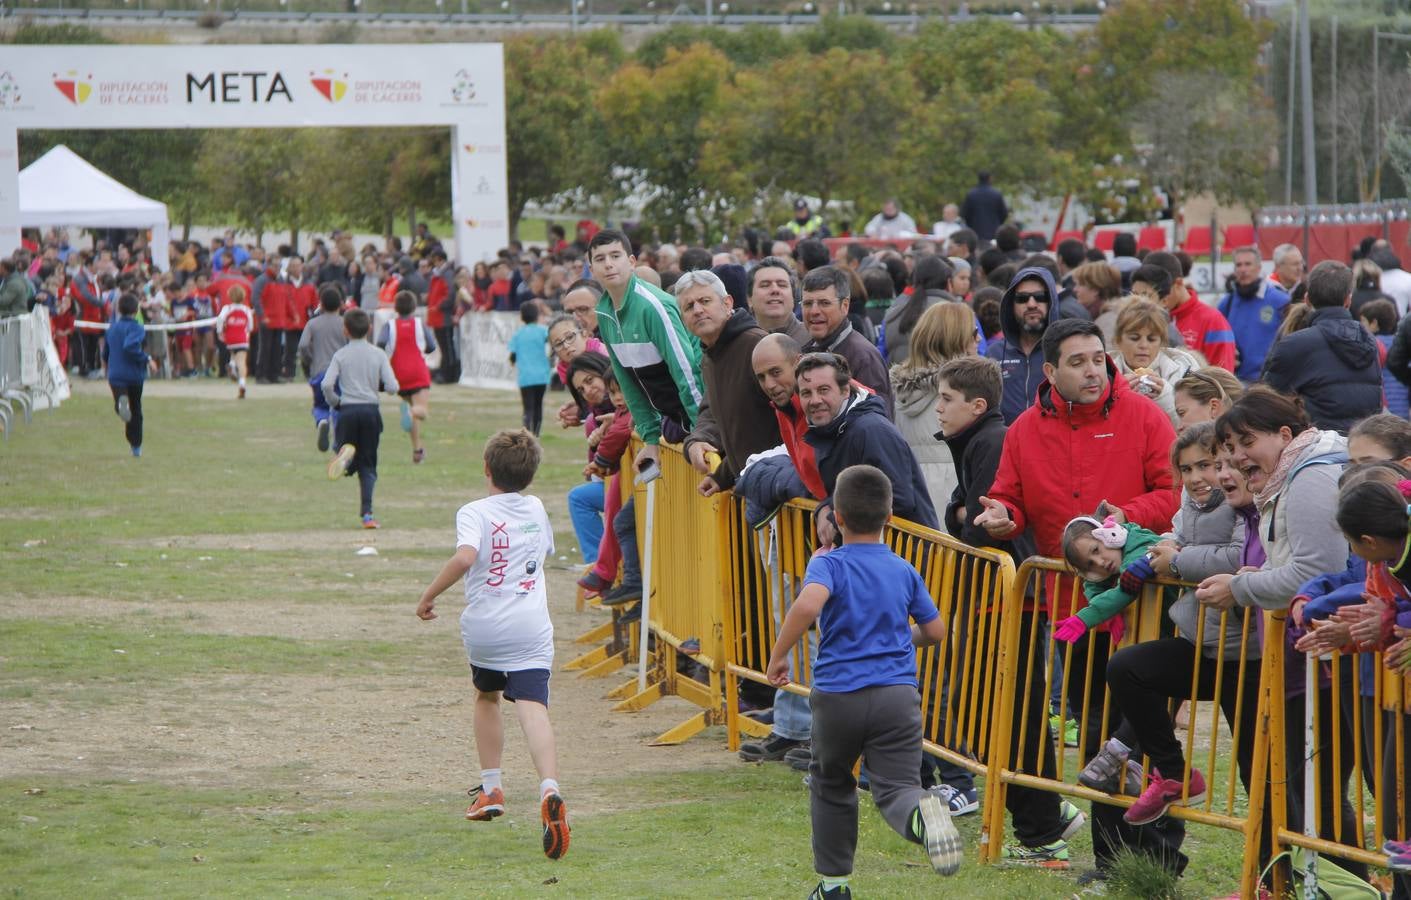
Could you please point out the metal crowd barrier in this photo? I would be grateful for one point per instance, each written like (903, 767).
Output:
(1355, 762)
(1049, 586)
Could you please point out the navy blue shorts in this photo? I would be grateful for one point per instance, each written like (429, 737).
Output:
(526, 684)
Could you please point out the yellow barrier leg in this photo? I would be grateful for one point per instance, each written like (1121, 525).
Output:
(642, 699)
(592, 636)
(624, 690)
(689, 728)
(606, 667)
(592, 657)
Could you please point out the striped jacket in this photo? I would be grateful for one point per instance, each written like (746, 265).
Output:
(657, 362)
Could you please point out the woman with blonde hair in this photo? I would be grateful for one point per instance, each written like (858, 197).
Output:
(944, 332)
(1204, 395)
(1143, 357)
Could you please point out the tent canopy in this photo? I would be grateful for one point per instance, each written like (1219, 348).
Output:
(62, 188)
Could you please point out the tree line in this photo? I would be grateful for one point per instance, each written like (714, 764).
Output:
(712, 129)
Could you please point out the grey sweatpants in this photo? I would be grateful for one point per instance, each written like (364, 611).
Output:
(884, 725)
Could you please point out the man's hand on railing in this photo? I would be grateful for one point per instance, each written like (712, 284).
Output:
(707, 487)
(648, 456)
(995, 519)
(1398, 655)
(1327, 635)
(696, 456)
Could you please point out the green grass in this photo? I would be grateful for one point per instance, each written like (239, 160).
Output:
(228, 514)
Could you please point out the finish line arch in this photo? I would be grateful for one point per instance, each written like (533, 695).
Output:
(272, 86)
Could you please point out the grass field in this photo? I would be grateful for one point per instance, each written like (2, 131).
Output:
(205, 691)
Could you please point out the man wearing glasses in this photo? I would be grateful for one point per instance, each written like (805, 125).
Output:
(826, 292)
(1025, 313)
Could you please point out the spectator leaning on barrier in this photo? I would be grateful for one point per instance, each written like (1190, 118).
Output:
(826, 296)
(1028, 308)
(656, 360)
(735, 419)
(1253, 309)
(1088, 440)
(1331, 364)
(847, 427)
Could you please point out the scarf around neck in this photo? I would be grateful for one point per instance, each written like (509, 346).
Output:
(1286, 462)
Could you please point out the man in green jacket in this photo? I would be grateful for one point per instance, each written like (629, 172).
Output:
(656, 360)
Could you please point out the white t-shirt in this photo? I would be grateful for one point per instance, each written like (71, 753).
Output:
(506, 624)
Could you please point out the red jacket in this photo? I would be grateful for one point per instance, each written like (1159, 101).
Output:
(608, 455)
(1204, 329)
(1061, 460)
(302, 300)
(436, 294)
(275, 301)
(220, 289)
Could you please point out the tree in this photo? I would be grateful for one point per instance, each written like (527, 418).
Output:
(1200, 133)
(552, 135)
(655, 133)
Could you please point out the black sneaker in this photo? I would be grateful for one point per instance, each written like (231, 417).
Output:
(799, 758)
(632, 615)
(771, 749)
(623, 593)
(841, 892)
(323, 436)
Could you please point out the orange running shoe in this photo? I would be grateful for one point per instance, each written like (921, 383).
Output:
(555, 816)
(485, 807)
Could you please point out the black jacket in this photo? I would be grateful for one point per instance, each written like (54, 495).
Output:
(984, 211)
(1333, 365)
(862, 435)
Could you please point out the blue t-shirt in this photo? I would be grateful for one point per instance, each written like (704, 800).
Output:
(530, 346)
(864, 636)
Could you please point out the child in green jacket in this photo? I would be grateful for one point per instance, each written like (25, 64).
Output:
(1114, 561)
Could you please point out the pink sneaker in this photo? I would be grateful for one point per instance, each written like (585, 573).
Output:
(1159, 796)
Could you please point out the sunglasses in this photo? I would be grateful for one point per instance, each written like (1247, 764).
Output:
(1023, 297)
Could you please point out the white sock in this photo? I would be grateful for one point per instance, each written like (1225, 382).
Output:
(1119, 746)
(490, 780)
(242, 382)
(548, 786)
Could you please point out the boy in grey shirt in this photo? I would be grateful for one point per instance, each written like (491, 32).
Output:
(350, 386)
(322, 337)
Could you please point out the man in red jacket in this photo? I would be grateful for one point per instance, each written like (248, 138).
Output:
(301, 299)
(1087, 440)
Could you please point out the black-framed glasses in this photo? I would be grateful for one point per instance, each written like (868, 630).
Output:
(1023, 297)
(565, 342)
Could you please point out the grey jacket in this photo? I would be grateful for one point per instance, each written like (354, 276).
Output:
(1298, 531)
(1210, 539)
(322, 337)
(358, 370)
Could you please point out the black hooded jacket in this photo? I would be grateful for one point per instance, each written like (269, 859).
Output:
(1333, 365)
(863, 435)
(1022, 372)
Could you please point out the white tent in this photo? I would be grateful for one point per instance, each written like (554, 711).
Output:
(63, 188)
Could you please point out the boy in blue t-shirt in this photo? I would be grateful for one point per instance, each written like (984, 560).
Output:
(864, 699)
(529, 352)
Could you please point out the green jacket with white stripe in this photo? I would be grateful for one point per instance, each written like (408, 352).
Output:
(657, 362)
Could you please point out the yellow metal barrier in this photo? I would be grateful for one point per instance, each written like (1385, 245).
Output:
(1358, 755)
(1021, 718)
(957, 680)
(690, 585)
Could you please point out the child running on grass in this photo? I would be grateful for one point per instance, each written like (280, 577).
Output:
(350, 385)
(127, 366)
(234, 326)
(501, 543)
(864, 699)
(408, 341)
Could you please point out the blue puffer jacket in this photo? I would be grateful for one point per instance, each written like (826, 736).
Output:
(1022, 372)
(122, 351)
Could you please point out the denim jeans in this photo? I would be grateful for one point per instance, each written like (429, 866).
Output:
(624, 524)
(585, 509)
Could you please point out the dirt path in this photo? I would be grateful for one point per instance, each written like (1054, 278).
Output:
(322, 733)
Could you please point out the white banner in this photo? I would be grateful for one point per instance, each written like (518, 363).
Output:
(276, 86)
(485, 349)
(40, 371)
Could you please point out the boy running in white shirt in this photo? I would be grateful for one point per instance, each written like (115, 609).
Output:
(501, 544)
